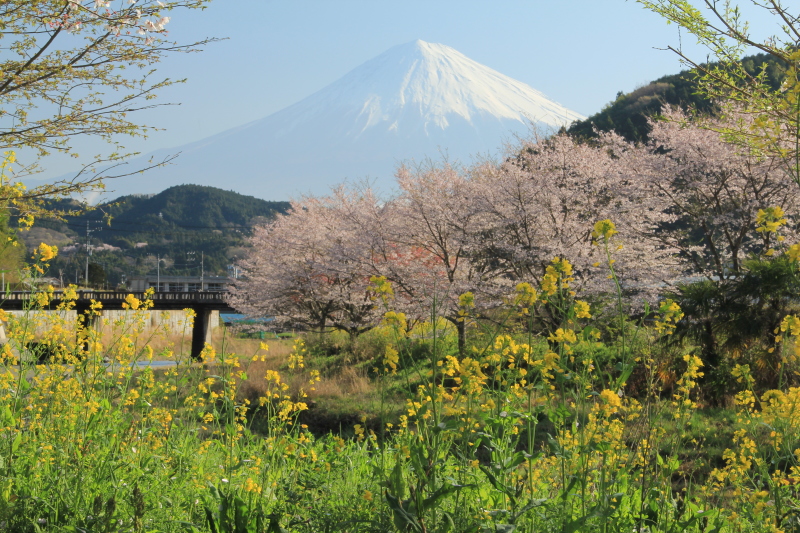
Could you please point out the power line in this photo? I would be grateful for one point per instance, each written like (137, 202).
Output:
(171, 225)
(146, 232)
(178, 225)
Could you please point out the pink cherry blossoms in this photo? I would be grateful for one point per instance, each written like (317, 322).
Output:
(684, 205)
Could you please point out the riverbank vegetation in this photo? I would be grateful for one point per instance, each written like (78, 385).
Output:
(600, 423)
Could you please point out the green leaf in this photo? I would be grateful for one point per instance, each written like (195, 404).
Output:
(241, 515)
(274, 524)
(16, 443)
(397, 482)
(575, 525)
(623, 378)
(568, 490)
(441, 492)
(539, 502)
(448, 524)
(516, 460)
(8, 417)
(403, 520)
(210, 519)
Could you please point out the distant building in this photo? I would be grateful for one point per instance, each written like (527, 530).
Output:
(102, 247)
(234, 271)
(178, 283)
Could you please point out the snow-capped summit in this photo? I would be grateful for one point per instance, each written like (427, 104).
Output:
(415, 100)
(422, 84)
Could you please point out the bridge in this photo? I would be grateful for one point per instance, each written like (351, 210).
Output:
(201, 302)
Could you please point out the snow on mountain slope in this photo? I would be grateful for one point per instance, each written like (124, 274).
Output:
(414, 101)
(432, 81)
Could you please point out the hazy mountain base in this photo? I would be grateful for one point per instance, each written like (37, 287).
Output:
(414, 101)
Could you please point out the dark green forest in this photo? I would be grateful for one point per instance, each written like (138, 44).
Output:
(628, 113)
(184, 228)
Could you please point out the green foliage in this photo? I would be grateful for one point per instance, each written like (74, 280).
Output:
(627, 115)
(189, 207)
(723, 30)
(97, 275)
(730, 317)
(530, 432)
(12, 253)
(74, 69)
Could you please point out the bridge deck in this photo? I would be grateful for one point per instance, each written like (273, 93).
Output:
(210, 300)
(201, 302)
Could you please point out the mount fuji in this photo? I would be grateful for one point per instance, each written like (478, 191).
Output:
(414, 101)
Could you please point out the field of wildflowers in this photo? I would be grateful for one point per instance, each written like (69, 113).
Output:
(584, 428)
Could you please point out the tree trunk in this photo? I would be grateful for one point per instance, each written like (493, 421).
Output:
(461, 328)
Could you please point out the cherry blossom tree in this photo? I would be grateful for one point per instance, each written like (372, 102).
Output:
(456, 241)
(541, 203)
(771, 106)
(75, 68)
(440, 230)
(692, 192)
(305, 270)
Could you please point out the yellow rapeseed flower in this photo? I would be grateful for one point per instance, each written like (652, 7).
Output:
(611, 402)
(526, 296)
(793, 252)
(381, 288)
(769, 220)
(603, 231)
(390, 359)
(297, 357)
(131, 302)
(582, 309)
(396, 320)
(46, 252)
(671, 314)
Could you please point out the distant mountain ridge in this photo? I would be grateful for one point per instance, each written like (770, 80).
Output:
(178, 225)
(414, 101)
(192, 207)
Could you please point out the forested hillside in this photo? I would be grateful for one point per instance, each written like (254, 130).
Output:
(187, 227)
(627, 114)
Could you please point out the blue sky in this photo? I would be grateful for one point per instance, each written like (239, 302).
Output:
(577, 52)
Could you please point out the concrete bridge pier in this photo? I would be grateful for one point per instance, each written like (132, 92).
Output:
(201, 331)
(86, 316)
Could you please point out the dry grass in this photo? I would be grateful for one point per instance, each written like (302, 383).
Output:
(348, 382)
(342, 391)
(342, 397)
(180, 343)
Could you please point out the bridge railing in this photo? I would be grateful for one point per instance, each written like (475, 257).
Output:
(100, 296)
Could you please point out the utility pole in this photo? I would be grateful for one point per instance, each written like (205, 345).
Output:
(88, 253)
(89, 248)
(191, 257)
(158, 273)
